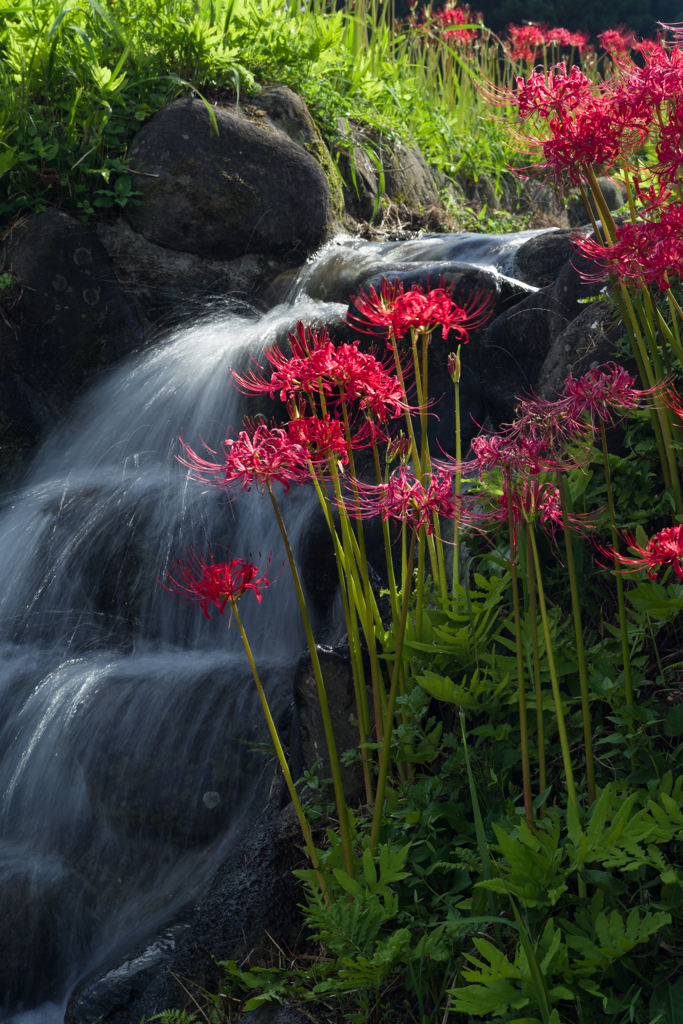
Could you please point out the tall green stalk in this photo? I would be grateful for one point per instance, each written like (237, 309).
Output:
(391, 705)
(458, 475)
(308, 838)
(537, 670)
(521, 695)
(322, 697)
(580, 649)
(623, 622)
(564, 743)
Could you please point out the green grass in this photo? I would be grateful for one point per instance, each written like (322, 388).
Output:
(77, 80)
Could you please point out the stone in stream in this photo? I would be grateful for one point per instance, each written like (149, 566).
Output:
(65, 317)
(252, 904)
(516, 344)
(245, 190)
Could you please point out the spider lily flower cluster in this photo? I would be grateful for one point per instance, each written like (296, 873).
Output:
(342, 400)
(581, 127)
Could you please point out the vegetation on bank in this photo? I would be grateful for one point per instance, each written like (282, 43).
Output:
(517, 854)
(78, 80)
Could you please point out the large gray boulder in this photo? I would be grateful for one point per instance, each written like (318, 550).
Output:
(167, 287)
(252, 907)
(67, 317)
(515, 346)
(245, 190)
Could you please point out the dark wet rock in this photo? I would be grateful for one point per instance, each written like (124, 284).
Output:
(308, 733)
(111, 996)
(541, 203)
(288, 112)
(515, 346)
(218, 196)
(614, 195)
(66, 316)
(252, 903)
(185, 784)
(587, 342)
(539, 261)
(407, 178)
(358, 171)
(38, 942)
(273, 1013)
(167, 286)
(24, 421)
(481, 190)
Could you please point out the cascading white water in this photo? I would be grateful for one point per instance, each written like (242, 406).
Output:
(124, 756)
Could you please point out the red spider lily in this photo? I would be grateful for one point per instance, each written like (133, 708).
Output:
(665, 548)
(648, 253)
(525, 42)
(644, 90)
(406, 499)
(617, 40)
(600, 394)
(257, 455)
(511, 454)
(342, 372)
(196, 581)
(422, 311)
(670, 146)
(320, 437)
(646, 47)
(591, 136)
(448, 19)
(563, 37)
(553, 422)
(531, 499)
(554, 91)
(583, 124)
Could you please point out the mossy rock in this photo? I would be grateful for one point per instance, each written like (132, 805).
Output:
(242, 190)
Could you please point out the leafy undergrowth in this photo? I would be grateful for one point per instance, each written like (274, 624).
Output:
(77, 82)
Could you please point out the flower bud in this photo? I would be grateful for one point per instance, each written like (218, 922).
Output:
(455, 366)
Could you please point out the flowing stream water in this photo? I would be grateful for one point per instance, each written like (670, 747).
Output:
(127, 718)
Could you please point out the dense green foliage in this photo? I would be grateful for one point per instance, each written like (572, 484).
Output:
(76, 82)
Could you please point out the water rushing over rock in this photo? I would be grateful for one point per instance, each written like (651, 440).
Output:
(125, 754)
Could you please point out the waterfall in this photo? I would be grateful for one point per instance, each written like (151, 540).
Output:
(129, 721)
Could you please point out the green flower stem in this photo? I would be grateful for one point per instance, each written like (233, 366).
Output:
(354, 643)
(644, 378)
(623, 624)
(386, 744)
(521, 695)
(409, 421)
(647, 325)
(458, 488)
(419, 590)
(368, 622)
(605, 213)
(387, 546)
(480, 832)
(566, 756)
(537, 670)
(671, 333)
(308, 838)
(669, 459)
(441, 561)
(425, 397)
(580, 649)
(322, 697)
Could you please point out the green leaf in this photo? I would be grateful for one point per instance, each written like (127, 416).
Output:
(673, 723)
(667, 999)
